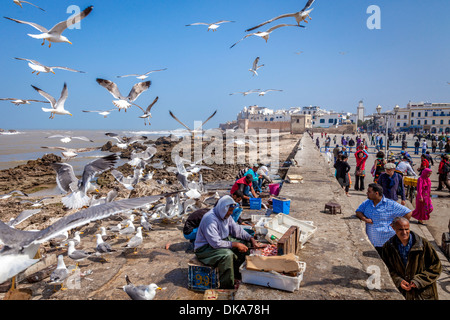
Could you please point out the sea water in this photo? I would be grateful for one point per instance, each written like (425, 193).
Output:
(16, 148)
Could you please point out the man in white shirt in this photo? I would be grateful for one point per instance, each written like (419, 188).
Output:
(405, 168)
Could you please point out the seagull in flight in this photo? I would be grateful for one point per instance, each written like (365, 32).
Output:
(124, 143)
(18, 102)
(265, 34)
(189, 129)
(211, 26)
(39, 67)
(255, 67)
(70, 153)
(55, 33)
(147, 113)
(124, 102)
(66, 139)
(262, 93)
(141, 76)
(246, 92)
(103, 113)
(69, 183)
(299, 16)
(19, 3)
(57, 106)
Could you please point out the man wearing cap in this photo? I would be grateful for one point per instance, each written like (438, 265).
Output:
(405, 168)
(392, 183)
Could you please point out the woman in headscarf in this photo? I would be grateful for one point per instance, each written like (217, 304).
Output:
(423, 198)
(222, 243)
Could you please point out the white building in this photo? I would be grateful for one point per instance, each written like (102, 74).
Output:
(422, 116)
(321, 118)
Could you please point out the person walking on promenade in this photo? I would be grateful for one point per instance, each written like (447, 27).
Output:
(392, 184)
(423, 163)
(351, 144)
(416, 146)
(413, 263)
(443, 171)
(342, 173)
(404, 144)
(318, 143)
(378, 212)
(372, 141)
(378, 165)
(434, 144)
(424, 206)
(424, 146)
(336, 152)
(441, 145)
(447, 146)
(360, 172)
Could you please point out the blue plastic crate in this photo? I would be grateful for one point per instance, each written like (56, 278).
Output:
(202, 278)
(281, 205)
(255, 203)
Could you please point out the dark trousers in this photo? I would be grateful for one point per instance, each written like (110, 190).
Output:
(359, 183)
(443, 181)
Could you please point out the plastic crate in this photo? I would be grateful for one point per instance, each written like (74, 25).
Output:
(255, 203)
(202, 277)
(281, 223)
(281, 205)
(273, 279)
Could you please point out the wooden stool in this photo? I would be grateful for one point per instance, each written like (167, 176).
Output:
(332, 207)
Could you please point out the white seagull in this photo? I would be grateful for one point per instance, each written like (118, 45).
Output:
(211, 26)
(262, 93)
(141, 76)
(265, 34)
(39, 67)
(246, 92)
(299, 16)
(20, 247)
(66, 138)
(140, 292)
(255, 67)
(147, 113)
(55, 33)
(124, 102)
(60, 273)
(189, 129)
(19, 3)
(18, 102)
(57, 106)
(69, 183)
(70, 153)
(103, 113)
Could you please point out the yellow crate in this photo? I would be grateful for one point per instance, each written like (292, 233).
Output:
(410, 181)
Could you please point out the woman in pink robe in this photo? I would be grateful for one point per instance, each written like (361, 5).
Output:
(423, 198)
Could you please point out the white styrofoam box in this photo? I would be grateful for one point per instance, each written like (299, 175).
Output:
(273, 280)
(259, 226)
(279, 224)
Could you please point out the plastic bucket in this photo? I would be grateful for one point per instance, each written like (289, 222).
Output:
(274, 188)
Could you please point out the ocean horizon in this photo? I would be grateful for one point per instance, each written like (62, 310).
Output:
(17, 147)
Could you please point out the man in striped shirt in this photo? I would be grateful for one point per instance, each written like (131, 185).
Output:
(378, 212)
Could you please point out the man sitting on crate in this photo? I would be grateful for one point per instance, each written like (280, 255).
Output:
(222, 243)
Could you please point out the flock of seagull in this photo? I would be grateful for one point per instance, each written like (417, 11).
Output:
(20, 249)
(121, 102)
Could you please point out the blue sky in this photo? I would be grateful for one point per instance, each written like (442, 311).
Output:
(406, 60)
